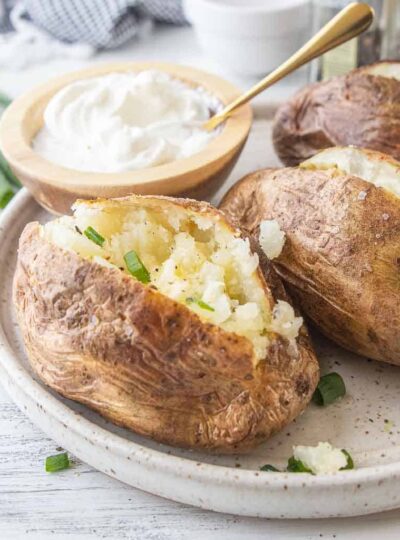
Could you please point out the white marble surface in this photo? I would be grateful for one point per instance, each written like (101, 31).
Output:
(82, 503)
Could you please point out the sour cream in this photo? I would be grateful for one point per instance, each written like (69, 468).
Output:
(124, 121)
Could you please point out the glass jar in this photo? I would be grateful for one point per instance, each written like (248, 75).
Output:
(379, 41)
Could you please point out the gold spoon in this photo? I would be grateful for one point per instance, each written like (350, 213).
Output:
(348, 23)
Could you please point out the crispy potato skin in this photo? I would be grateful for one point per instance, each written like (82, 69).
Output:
(148, 363)
(355, 109)
(341, 258)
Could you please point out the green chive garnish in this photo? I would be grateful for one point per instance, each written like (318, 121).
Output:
(5, 197)
(329, 389)
(200, 303)
(350, 462)
(58, 462)
(269, 468)
(6, 191)
(297, 466)
(136, 267)
(94, 236)
(6, 170)
(4, 166)
(4, 100)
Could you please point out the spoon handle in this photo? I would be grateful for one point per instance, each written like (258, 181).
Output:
(348, 23)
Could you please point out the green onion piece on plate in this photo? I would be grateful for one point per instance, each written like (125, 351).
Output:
(94, 236)
(269, 468)
(297, 466)
(6, 191)
(350, 462)
(58, 462)
(330, 388)
(136, 267)
(200, 303)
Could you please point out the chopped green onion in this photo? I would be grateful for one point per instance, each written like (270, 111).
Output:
(8, 180)
(58, 462)
(200, 303)
(4, 166)
(94, 236)
(329, 389)
(136, 267)
(6, 191)
(6, 170)
(4, 100)
(350, 462)
(269, 468)
(297, 466)
(5, 198)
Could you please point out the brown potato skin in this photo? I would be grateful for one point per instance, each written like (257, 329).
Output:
(354, 109)
(148, 363)
(341, 258)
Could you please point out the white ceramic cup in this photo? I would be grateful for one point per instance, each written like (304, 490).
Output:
(250, 37)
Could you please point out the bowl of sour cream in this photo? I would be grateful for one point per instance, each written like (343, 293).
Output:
(124, 128)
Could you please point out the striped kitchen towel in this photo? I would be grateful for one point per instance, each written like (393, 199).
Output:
(102, 24)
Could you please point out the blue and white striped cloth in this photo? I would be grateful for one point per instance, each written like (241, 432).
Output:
(102, 24)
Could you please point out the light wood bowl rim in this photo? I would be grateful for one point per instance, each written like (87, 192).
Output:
(18, 151)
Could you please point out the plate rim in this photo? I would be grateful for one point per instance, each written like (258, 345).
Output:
(169, 463)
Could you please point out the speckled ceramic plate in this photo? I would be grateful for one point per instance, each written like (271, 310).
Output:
(366, 422)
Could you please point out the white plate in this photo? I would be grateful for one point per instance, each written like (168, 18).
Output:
(366, 422)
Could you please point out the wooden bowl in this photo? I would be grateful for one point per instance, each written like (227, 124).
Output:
(56, 187)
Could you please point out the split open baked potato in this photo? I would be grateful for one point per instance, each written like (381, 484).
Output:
(340, 211)
(360, 108)
(159, 315)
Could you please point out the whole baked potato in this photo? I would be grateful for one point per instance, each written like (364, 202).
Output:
(340, 211)
(360, 108)
(155, 312)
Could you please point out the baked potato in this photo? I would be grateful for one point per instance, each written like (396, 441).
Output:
(155, 312)
(340, 212)
(360, 108)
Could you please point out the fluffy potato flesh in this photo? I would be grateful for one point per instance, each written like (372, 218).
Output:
(374, 167)
(192, 258)
(390, 70)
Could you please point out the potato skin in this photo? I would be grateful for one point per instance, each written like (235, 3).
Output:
(148, 363)
(358, 109)
(341, 258)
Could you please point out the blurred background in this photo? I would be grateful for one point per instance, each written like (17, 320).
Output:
(239, 39)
